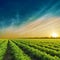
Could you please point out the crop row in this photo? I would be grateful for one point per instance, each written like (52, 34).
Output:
(18, 53)
(36, 53)
(42, 44)
(47, 50)
(3, 48)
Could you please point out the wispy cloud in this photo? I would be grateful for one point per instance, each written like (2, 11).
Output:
(43, 26)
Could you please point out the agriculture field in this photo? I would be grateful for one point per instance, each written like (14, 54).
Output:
(30, 49)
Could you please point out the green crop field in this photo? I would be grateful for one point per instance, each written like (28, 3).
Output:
(30, 49)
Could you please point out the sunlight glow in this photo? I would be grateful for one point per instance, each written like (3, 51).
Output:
(54, 35)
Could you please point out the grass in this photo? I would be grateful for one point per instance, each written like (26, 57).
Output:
(30, 49)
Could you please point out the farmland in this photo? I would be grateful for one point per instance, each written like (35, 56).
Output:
(29, 49)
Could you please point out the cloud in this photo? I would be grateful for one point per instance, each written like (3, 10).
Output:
(38, 28)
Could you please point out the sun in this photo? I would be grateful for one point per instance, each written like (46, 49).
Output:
(54, 35)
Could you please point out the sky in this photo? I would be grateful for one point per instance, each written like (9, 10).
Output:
(29, 18)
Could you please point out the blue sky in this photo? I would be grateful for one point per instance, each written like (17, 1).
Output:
(27, 15)
(19, 11)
